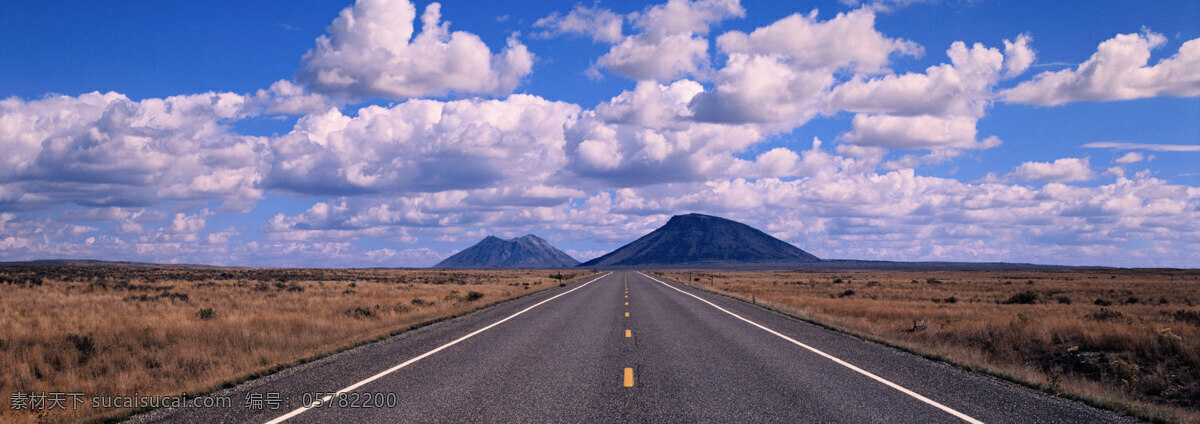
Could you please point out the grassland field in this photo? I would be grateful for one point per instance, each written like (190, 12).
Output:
(120, 331)
(1127, 340)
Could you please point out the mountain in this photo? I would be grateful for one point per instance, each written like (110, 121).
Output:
(529, 251)
(704, 241)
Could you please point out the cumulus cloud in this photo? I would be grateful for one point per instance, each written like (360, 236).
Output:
(371, 51)
(107, 150)
(937, 109)
(600, 24)
(670, 42)
(1018, 55)
(901, 215)
(779, 75)
(423, 145)
(847, 41)
(288, 98)
(1065, 170)
(763, 90)
(1117, 71)
(960, 88)
(646, 136)
(917, 132)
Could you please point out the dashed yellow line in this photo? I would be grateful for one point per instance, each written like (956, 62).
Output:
(627, 314)
(628, 377)
(628, 333)
(626, 303)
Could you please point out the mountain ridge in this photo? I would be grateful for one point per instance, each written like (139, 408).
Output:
(704, 241)
(528, 251)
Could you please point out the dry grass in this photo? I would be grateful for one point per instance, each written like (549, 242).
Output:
(123, 331)
(1127, 340)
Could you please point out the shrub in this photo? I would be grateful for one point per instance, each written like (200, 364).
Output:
(84, 343)
(402, 308)
(473, 296)
(1022, 298)
(206, 314)
(1169, 339)
(1102, 302)
(1063, 300)
(359, 312)
(178, 296)
(1105, 314)
(847, 293)
(1188, 316)
(1125, 370)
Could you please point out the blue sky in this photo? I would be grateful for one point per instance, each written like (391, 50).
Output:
(388, 133)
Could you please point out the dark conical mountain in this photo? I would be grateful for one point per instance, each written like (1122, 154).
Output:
(529, 251)
(703, 241)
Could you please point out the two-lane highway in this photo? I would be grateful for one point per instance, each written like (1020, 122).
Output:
(630, 347)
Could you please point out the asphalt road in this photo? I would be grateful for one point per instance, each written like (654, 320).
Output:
(580, 353)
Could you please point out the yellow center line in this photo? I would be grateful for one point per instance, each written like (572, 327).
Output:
(628, 333)
(626, 303)
(628, 377)
(627, 314)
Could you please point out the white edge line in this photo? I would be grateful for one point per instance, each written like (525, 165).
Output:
(960, 415)
(302, 409)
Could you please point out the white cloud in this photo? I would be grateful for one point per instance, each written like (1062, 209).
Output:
(1131, 157)
(916, 132)
(1118, 145)
(932, 158)
(1018, 55)
(763, 89)
(106, 150)
(936, 110)
(657, 59)
(183, 223)
(600, 24)
(779, 76)
(900, 215)
(1065, 170)
(686, 16)
(371, 52)
(423, 145)
(285, 97)
(646, 136)
(671, 42)
(960, 88)
(848, 41)
(1117, 71)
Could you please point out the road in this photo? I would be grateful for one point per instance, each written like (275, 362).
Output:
(628, 347)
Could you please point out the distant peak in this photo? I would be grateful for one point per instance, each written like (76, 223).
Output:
(695, 217)
(527, 251)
